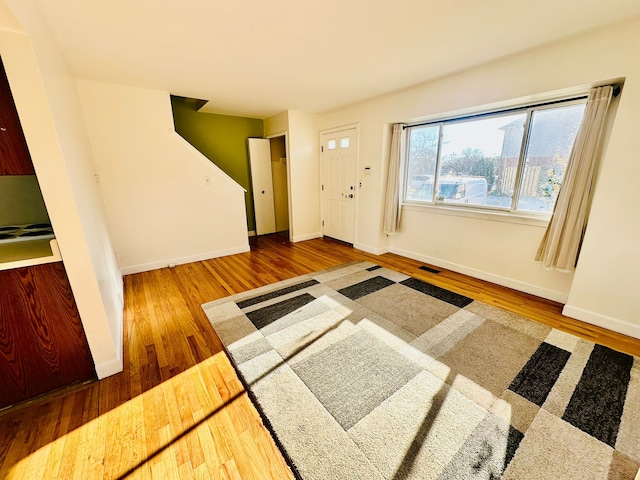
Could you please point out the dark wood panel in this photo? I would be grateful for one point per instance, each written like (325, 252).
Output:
(42, 343)
(14, 154)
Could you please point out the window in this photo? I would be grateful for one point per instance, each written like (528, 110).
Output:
(510, 160)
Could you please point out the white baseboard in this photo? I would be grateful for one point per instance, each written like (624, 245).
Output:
(110, 367)
(145, 267)
(370, 249)
(308, 236)
(252, 233)
(601, 320)
(554, 295)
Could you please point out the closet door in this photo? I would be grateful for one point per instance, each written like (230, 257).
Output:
(262, 183)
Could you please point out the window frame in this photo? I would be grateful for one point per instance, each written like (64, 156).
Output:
(484, 211)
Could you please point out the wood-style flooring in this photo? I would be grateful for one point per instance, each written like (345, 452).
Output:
(178, 410)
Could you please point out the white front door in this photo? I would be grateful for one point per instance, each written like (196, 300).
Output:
(339, 184)
(262, 183)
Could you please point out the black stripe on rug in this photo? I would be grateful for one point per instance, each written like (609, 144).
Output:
(598, 400)
(375, 267)
(440, 293)
(269, 314)
(539, 375)
(513, 442)
(365, 288)
(276, 293)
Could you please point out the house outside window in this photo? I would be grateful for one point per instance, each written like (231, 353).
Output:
(510, 161)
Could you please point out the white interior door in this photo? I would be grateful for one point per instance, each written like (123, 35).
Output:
(262, 183)
(339, 184)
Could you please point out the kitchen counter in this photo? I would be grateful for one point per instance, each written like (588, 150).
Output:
(28, 253)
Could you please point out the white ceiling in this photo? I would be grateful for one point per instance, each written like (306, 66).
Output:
(257, 58)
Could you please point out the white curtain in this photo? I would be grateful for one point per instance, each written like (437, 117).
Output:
(561, 243)
(392, 204)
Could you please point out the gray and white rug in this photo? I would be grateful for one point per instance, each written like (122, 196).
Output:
(362, 372)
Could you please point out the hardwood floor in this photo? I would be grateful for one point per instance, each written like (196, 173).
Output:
(178, 410)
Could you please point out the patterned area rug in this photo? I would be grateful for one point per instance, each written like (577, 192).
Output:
(362, 372)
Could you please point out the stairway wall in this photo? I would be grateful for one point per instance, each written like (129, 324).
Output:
(166, 203)
(223, 140)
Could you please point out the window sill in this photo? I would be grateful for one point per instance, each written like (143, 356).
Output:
(533, 219)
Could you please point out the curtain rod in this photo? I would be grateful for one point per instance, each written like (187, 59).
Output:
(616, 91)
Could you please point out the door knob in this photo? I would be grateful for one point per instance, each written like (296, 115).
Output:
(263, 192)
(351, 195)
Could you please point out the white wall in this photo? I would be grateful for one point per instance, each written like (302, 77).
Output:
(606, 285)
(276, 125)
(49, 111)
(606, 280)
(160, 210)
(304, 168)
(303, 163)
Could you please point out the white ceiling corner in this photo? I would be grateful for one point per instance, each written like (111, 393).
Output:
(257, 59)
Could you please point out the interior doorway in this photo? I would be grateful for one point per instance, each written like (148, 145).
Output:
(269, 181)
(280, 183)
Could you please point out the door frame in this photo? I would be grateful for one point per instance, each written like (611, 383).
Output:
(341, 128)
(285, 134)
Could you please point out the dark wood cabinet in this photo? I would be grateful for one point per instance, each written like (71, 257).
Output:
(14, 154)
(42, 343)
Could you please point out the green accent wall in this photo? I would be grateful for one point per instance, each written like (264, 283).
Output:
(223, 140)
